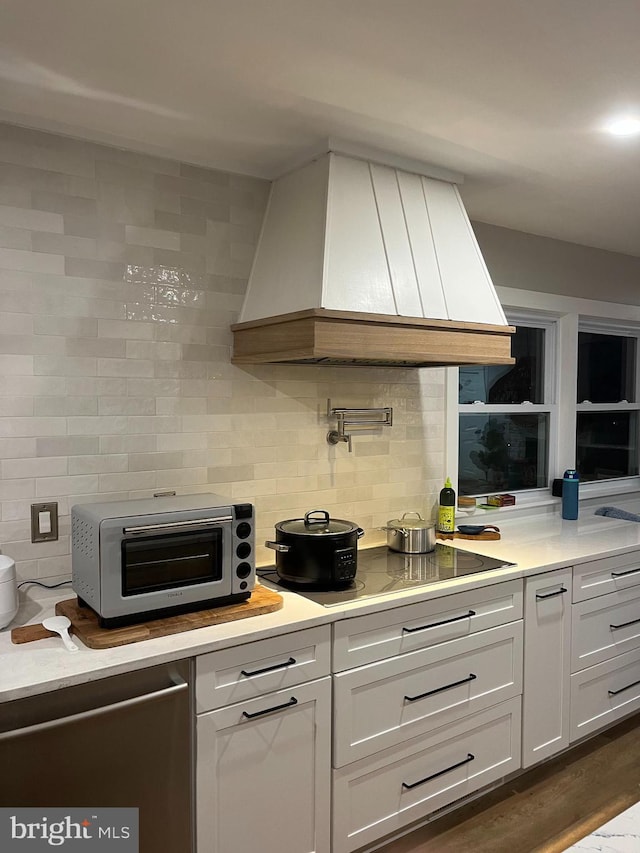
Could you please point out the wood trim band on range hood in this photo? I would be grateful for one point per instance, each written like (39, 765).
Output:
(322, 336)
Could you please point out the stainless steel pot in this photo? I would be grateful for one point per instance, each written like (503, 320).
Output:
(316, 551)
(410, 535)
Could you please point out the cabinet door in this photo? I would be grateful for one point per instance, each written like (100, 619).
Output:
(263, 773)
(547, 639)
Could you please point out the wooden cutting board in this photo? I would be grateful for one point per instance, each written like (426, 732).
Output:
(84, 622)
(487, 535)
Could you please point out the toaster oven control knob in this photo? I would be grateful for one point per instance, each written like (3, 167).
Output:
(243, 570)
(243, 550)
(243, 530)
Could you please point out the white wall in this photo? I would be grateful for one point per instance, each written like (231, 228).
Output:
(528, 262)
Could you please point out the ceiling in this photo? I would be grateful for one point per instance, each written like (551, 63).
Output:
(512, 94)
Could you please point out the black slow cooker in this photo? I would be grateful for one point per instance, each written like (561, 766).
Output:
(317, 552)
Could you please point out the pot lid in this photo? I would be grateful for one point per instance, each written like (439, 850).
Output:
(316, 522)
(410, 523)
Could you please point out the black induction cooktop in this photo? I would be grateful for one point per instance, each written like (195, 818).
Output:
(381, 571)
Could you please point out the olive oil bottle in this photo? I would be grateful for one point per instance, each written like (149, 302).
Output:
(447, 508)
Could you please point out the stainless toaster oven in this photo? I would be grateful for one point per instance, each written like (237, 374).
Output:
(143, 559)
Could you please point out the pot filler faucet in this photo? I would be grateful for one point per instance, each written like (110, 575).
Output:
(356, 418)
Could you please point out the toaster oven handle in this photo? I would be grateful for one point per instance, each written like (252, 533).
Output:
(178, 525)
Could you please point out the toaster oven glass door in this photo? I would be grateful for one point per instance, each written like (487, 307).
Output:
(170, 560)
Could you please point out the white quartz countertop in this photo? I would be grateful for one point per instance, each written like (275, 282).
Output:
(535, 543)
(619, 835)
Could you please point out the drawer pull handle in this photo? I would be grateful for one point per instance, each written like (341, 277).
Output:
(267, 668)
(622, 689)
(410, 785)
(471, 677)
(552, 594)
(293, 701)
(622, 574)
(437, 624)
(624, 624)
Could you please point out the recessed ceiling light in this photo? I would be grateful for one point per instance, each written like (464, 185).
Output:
(624, 126)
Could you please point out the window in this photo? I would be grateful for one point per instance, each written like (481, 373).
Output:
(572, 399)
(607, 409)
(505, 414)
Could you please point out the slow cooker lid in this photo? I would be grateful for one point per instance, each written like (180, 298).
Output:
(316, 522)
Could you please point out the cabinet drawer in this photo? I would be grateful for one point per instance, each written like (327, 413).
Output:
(385, 792)
(366, 639)
(243, 672)
(604, 627)
(604, 693)
(600, 577)
(385, 703)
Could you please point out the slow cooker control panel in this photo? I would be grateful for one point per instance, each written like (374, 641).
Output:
(344, 564)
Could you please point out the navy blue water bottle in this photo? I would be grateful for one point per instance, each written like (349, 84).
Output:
(570, 483)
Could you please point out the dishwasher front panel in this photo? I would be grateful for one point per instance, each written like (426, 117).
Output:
(122, 741)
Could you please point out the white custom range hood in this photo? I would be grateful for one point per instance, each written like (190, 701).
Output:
(363, 263)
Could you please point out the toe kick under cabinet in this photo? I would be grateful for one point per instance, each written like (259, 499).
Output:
(605, 643)
(426, 709)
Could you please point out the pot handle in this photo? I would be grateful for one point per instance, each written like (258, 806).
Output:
(360, 533)
(308, 520)
(402, 530)
(276, 546)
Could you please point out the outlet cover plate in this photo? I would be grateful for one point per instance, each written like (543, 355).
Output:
(36, 509)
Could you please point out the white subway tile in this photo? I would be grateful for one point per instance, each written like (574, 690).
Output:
(97, 426)
(52, 486)
(53, 466)
(17, 427)
(33, 220)
(22, 260)
(152, 237)
(129, 481)
(102, 464)
(13, 490)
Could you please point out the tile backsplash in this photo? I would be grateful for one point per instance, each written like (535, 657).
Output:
(120, 274)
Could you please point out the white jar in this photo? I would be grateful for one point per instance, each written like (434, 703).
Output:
(8, 590)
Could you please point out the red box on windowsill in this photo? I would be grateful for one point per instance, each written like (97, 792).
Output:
(501, 500)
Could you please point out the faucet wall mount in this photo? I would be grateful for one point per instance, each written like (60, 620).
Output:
(350, 418)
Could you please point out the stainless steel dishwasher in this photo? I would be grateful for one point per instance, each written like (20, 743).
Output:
(122, 741)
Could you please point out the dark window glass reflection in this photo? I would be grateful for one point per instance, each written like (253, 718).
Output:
(606, 368)
(502, 452)
(607, 445)
(509, 383)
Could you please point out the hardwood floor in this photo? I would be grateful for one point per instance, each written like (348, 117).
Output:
(548, 808)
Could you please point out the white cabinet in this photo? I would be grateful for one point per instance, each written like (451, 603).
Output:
(426, 708)
(381, 794)
(605, 643)
(547, 638)
(244, 672)
(604, 693)
(263, 764)
(384, 703)
(365, 639)
(604, 627)
(600, 577)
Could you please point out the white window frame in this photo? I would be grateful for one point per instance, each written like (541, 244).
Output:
(622, 330)
(567, 315)
(548, 406)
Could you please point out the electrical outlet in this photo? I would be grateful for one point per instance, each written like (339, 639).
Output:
(44, 522)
